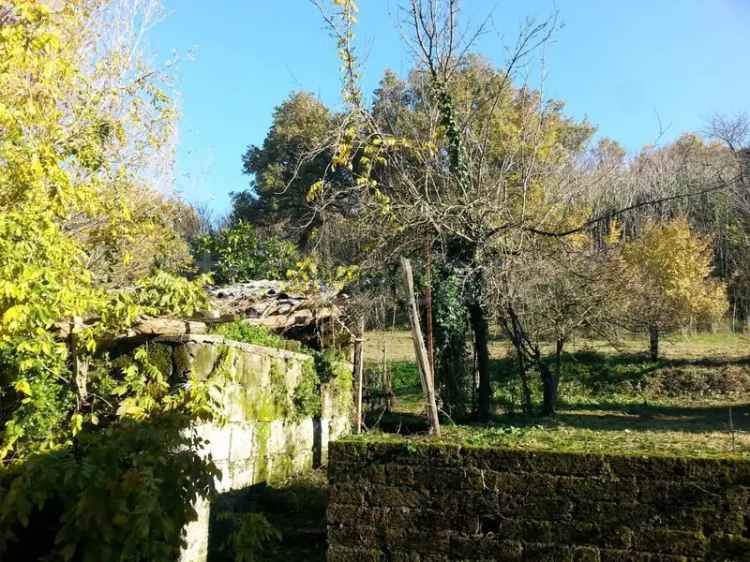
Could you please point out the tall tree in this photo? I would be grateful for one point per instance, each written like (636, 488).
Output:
(547, 296)
(481, 168)
(668, 269)
(294, 156)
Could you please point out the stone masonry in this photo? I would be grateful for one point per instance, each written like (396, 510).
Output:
(415, 502)
(259, 440)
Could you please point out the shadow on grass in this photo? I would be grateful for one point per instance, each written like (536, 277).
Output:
(595, 369)
(400, 422)
(593, 377)
(613, 416)
(610, 392)
(297, 510)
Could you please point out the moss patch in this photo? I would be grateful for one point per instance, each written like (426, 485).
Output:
(457, 502)
(332, 368)
(160, 356)
(306, 400)
(262, 436)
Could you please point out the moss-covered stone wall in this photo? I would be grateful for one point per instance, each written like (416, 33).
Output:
(405, 502)
(277, 418)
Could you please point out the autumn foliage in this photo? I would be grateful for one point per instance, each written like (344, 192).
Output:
(669, 283)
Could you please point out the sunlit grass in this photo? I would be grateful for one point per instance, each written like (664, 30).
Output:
(612, 400)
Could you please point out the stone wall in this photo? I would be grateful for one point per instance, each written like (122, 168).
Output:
(417, 503)
(275, 426)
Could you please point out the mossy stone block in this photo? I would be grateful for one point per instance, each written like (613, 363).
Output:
(200, 359)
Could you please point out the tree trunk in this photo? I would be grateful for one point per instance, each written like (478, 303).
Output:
(82, 379)
(549, 387)
(551, 381)
(528, 406)
(653, 333)
(428, 325)
(481, 343)
(451, 367)
(387, 387)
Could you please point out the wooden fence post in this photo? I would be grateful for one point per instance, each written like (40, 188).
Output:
(420, 350)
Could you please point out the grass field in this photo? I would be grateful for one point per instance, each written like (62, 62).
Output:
(695, 400)
(399, 346)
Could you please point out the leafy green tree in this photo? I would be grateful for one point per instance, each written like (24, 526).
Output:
(292, 158)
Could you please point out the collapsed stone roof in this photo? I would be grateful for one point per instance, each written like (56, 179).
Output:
(273, 304)
(309, 316)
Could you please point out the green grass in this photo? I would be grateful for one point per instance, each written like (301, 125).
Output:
(611, 400)
(630, 378)
(603, 437)
(398, 346)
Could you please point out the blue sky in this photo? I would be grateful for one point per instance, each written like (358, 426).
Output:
(627, 66)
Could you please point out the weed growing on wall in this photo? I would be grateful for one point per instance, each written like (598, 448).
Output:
(246, 333)
(306, 398)
(333, 368)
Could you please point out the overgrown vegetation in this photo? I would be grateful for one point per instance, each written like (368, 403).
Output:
(328, 366)
(95, 463)
(281, 522)
(691, 432)
(247, 333)
(520, 224)
(250, 537)
(238, 253)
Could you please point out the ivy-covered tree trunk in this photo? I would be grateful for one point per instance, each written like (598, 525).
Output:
(481, 344)
(451, 367)
(653, 344)
(449, 332)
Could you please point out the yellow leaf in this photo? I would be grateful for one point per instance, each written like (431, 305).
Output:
(23, 387)
(76, 424)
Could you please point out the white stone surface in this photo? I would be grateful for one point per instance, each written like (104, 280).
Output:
(245, 450)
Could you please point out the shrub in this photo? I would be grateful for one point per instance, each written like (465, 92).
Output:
(238, 254)
(247, 333)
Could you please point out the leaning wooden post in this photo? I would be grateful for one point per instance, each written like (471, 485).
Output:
(420, 350)
(359, 367)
